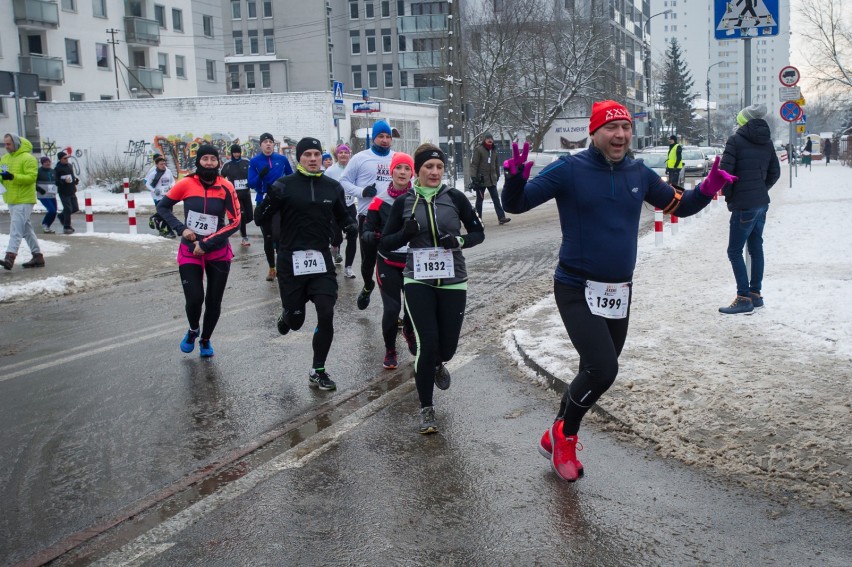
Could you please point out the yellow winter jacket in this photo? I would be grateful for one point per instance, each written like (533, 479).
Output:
(24, 166)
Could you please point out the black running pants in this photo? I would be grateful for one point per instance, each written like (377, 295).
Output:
(192, 279)
(390, 286)
(246, 212)
(368, 257)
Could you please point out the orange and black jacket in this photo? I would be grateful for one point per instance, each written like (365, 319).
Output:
(219, 199)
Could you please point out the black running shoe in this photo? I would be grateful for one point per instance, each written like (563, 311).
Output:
(364, 297)
(283, 327)
(319, 378)
(442, 377)
(427, 421)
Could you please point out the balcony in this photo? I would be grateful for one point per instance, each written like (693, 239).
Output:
(142, 78)
(50, 70)
(417, 24)
(36, 14)
(421, 60)
(139, 31)
(423, 94)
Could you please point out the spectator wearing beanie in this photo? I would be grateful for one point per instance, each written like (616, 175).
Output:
(236, 171)
(750, 156)
(366, 172)
(484, 173)
(310, 208)
(46, 190)
(158, 181)
(342, 153)
(599, 194)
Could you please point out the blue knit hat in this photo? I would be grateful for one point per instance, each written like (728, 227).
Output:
(326, 156)
(381, 127)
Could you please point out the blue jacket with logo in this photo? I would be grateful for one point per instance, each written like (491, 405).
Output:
(278, 165)
(599, 207)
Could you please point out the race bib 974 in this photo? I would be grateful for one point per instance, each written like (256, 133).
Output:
(308, 262)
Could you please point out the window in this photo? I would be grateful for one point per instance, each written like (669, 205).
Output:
(403, 78)
(388, 72)
(211, 70)
(400, 39)
(163, 63)
(160, 15)
(371, 40)
(368, 10)
(353, 9)
(386, 8)
(252, 10)
(238, 43)
(76, 97)
(180, 66)
(269, 40)
(265, 76)
(372, 77)
(106, 97)
(208, 26)
(400, 7)
(69, 5)
(102, 55)
(234, 74)
(254, 46)
(177, 19)
(267, 9)
(99, 8)
(250, 84)
(236, 12)
(356, 77)
(355, 40)
(72, 51)
(387, 42)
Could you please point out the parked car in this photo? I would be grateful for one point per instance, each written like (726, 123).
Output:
(543, 159)
(656, 160)
(694, 162)
(710, 153)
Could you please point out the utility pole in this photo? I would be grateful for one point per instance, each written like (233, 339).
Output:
(454, 80)
(114, 42)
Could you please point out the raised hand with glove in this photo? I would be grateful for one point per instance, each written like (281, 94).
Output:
(716, 180)
(518, 164)
(8, 176)
(411, 228)
(351, 229)
(369, 191)
(450, 242)
(371, 237)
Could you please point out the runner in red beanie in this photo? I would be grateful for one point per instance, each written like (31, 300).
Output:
(606, 111)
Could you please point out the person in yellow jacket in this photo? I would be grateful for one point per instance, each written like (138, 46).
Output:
(675, 161)
(19, 170)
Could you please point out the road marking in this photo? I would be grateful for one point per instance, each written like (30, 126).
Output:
(119, 341)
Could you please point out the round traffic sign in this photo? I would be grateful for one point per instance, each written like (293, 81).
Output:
(790, 111)
(789, 76)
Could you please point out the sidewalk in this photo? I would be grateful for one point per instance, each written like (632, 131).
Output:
(763, 399)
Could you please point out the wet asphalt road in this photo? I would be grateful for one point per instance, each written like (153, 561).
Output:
(104, 416)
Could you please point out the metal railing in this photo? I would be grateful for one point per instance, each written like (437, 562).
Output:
(421, 59)
(143, 78)
(48, 69)
(423, 94)
(427, 23)
(141, 31)
(36, 12)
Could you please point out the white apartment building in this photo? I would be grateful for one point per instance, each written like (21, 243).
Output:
(721, 62)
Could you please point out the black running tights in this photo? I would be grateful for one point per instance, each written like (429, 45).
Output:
(351, 239)
(436, 316)
(269, 244)
(598, 342)
(390, 286)
(244, 196)
(192, 279)
(368, 257)
(324, 331)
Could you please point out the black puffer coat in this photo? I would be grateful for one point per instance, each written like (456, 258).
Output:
(750, 155)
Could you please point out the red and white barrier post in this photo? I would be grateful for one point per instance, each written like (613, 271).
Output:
(131, 214)
(126, 183)
(673, 226)
(658, 226)
(90, 218)
(686, 187)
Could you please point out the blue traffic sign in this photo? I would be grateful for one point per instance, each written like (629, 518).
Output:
(338, 92)
(790, 111)
(735, 19)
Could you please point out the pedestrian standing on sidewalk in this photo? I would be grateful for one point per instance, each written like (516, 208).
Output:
(674, 160)
(428, 220)
(211, 214)
(807, 150)
(390, 265)
(827, 151)
(158, 181)
(342, 154)
(367, 171)
(265, 169)
(310, 209)
(236, 171)
(19, 171)
(599, 194)
(66, 186)
(484, 173)
(46, 189)
(750, 156)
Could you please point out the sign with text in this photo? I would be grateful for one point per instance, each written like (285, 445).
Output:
(368, 106)
(789, 93)
(789, 76)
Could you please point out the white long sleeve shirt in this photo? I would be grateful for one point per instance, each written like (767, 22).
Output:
(366, 168)
(163, 185)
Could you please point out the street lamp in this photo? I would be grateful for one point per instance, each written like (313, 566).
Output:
(647, 29)
(708, 98)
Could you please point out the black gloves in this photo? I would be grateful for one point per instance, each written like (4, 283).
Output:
(410, 228)
(41, 191)
(351, 229)
(449, 242)
(76, 181)
(7, 176)
(263, 172)
(369, 191)
(371, 237)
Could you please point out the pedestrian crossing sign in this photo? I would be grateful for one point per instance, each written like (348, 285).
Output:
(736, 19)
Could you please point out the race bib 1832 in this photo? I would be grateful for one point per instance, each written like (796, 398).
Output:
(308, 262)
(433, 263)
(608, 300)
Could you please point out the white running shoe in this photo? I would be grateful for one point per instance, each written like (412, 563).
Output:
(347, 272)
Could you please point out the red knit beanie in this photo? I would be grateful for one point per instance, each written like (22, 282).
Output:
(606, 111)
(401, 157)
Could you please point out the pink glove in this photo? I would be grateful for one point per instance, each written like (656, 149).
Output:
(716, 180)
(518, 162)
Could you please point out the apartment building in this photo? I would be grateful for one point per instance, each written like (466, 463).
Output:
(85, 50)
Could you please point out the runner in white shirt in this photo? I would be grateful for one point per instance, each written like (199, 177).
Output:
(158, 181)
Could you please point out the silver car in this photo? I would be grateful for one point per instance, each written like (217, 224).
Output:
(657, 162)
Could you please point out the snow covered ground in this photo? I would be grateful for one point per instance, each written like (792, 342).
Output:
(765, 398)
(102, 201)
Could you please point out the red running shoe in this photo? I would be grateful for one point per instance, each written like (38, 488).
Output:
(563, 459)
(390, 359)
(545, 447)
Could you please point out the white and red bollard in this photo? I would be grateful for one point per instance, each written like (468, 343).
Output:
(131, 214)
(90, 218)
(673, 225)
(126, 183)
(658, 226)
(686, 187)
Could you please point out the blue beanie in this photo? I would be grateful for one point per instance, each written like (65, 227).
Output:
(381, 127)
(326, 156)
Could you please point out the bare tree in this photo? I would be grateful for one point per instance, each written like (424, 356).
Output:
(828, 29)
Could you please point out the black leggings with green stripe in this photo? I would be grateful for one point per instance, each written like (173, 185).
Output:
(436, 316)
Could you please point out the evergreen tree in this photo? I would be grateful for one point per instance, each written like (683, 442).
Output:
(676, 94)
